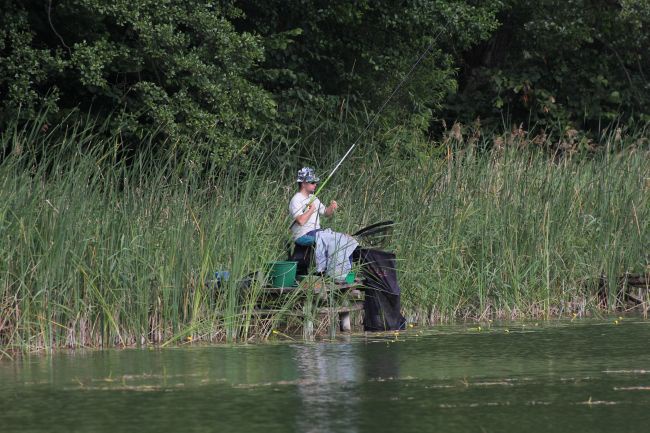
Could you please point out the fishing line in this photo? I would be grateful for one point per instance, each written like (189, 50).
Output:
(376, 116)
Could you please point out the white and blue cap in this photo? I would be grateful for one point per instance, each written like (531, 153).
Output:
(307, 174)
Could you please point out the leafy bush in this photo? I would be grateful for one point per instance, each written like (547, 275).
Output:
(550, 63)
(175, 68)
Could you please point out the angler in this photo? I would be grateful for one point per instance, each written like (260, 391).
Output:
(332, 249)
(334, 252)
(306, 209)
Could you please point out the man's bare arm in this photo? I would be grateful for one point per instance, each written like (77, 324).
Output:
(302, 219)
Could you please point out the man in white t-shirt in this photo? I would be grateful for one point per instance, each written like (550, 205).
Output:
(306, 216)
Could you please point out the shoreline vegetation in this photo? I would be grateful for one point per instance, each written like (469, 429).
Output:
(146, 146)
(103, 250)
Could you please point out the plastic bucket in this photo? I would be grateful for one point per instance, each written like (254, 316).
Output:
(283, 274)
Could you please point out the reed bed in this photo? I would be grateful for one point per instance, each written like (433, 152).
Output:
(101, 251)
(515, 234)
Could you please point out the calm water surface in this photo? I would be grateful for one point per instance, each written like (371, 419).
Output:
(555, 377)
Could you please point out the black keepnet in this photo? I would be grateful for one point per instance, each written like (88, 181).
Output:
(382, 291)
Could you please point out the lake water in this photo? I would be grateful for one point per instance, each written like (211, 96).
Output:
(582, 376)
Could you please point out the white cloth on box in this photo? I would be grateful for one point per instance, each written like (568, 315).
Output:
(332, 254)
(297, 207)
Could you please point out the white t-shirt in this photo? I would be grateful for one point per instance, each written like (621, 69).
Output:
(297, 207)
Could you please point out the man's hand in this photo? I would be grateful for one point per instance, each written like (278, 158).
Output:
(331, 208)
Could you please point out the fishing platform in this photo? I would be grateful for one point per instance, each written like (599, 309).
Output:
(292, 295)
(316, 304)
(316, 298)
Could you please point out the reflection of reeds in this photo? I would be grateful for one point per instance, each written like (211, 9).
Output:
(98, 252)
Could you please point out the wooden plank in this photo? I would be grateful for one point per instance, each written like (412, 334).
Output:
(281, 290)
(271, 311)
(357, 306)
(356, 294)
(337, 287)
(319, 287)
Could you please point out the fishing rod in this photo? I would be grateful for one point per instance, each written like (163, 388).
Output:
(375, 117)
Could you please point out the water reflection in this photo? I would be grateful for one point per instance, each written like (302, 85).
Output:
(330, 379)
(577, 378)
(326, 387)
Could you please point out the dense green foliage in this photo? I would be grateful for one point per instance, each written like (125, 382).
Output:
(219, 79)
(176, 68)
(554, 62)
(355, 53)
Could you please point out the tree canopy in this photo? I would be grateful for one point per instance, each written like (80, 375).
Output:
(209, 77)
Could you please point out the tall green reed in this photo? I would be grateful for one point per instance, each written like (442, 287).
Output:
(102, 250)
(512, 232)
(99, 251)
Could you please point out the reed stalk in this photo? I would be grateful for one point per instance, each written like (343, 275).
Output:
(100, 250)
